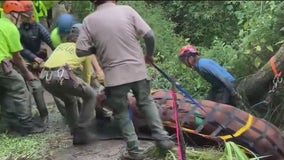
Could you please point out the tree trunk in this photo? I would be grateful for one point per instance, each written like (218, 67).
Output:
(255, 88)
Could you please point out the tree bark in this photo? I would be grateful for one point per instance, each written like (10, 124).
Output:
(255, 87)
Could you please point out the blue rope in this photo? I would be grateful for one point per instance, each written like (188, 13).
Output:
(178, 86)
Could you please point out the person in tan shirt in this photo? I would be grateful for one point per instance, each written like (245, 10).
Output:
(114, 41)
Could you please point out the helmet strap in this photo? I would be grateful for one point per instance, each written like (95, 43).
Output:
(16, 17)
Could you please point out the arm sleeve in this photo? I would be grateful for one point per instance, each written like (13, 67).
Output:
(84, 44)
(219, 75)
(87, 70)
(13, 40)
(27, 54)
(149, 39)
(44, 36)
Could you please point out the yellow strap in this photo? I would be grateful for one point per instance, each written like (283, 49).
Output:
(154, 91)
(240, 131)
(171, 124)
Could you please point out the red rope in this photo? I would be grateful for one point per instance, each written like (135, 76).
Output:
(177, 125)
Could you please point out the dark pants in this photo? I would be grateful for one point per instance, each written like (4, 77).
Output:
(37, 91)
(15, 102)
(36, 88)
(220, 95)
(118, 100)
(68, 90)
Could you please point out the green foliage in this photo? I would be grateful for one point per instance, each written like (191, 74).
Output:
(30, 147)
(261, 23)
(241, 36)
(82, 8)
(231, 151)
(202, 21)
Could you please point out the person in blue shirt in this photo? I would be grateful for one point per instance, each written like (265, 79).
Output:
(223, 83)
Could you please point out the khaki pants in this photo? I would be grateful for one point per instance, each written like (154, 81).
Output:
(117, 99)
(68, 91)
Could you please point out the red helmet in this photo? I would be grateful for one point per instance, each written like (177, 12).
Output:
(28, 5)
(188, 50)
(12, 6)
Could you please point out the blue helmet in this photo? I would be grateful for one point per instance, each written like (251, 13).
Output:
(75, 29)
(64, 23)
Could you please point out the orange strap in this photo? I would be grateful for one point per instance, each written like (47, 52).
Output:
(273, 67)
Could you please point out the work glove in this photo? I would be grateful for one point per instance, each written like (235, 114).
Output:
(149, 59)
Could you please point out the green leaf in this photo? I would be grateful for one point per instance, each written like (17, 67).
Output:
(280, 42)
(257, 48)
(269, 48)
(257, 62)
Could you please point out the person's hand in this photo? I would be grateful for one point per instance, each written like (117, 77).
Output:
(101, 77)
(38, 60)
(29, 76)
(149, 59)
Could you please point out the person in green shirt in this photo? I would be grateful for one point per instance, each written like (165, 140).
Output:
(15, 103)
(1, 12)
(59, 79)
(60, 32)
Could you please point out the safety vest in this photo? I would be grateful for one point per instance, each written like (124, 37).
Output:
(39, 10)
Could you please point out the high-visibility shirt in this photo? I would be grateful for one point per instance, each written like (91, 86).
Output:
(55, 38)
(10, 39)
(64, 54)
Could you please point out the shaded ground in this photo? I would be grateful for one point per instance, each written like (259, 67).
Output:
(60, 145)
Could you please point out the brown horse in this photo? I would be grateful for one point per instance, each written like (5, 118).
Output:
(217, 122)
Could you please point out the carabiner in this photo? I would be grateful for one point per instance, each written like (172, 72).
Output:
(60, 72)
(48, 76)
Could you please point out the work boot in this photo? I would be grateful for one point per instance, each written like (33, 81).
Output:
(81, 136)
(165, 144)
(32, 130)
(132, 156)
(45, 121)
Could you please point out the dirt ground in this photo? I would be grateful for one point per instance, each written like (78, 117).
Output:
(60, 145)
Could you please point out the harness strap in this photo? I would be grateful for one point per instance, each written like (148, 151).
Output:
(241, 130)
(273, 67)
(267, 138)
(230, 118)
(208, 117)
(187, 115)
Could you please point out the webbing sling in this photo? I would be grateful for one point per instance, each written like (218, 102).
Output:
(241, 130)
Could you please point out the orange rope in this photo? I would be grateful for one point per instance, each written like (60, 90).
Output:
(273, 67)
